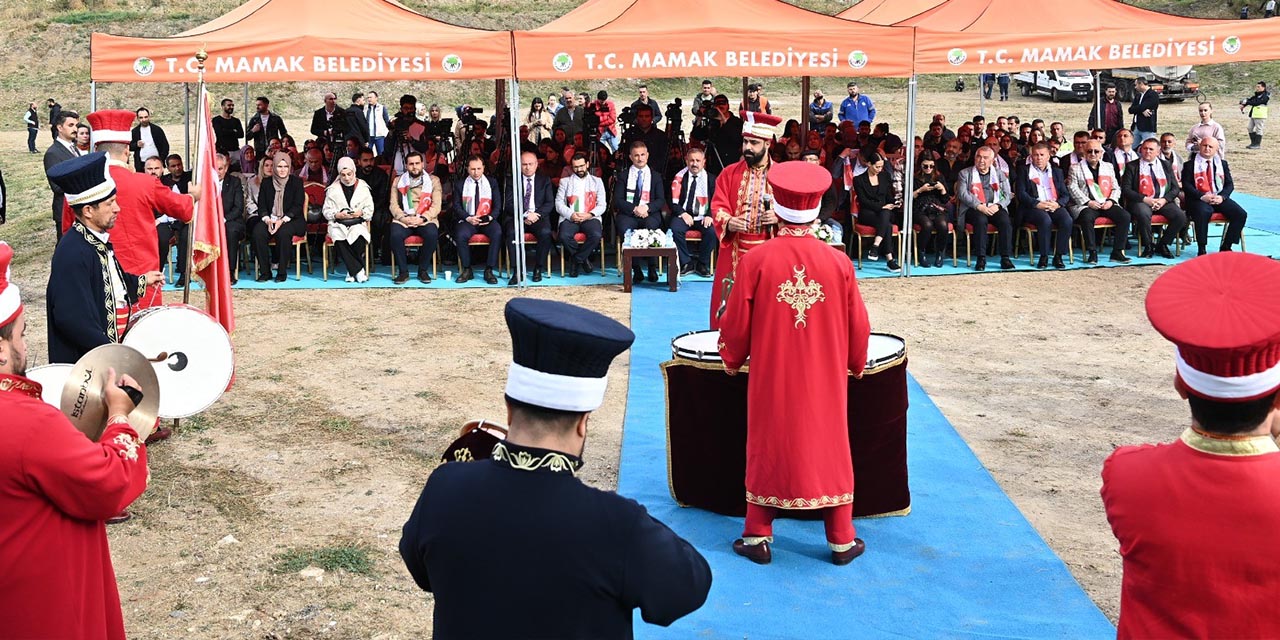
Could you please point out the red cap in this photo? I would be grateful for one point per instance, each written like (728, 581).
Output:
(797, 190)
(110, 125)
(10, 299)
(1222, 311)
(759, 125)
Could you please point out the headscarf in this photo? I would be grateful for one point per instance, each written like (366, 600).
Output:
(277, 207)
(347, 163)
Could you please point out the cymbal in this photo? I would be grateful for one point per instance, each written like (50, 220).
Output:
(83, 394)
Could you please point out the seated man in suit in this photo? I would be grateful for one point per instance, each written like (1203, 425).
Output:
(1095, 191)
(638, 200)
(1150, 188)
(580, 201)
(415, 203)
(537, 205)
(691, 193)
(1207, 179)
(473, 211)
(232, 210)
(983, 197)
(1042, 200)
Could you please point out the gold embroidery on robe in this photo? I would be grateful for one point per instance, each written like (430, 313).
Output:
(1229, 445)
(525, 461)
(800, 295)
(820, 502)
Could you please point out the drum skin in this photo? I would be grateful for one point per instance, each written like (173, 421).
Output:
(207, 362)
(52, 378)
(707, 439)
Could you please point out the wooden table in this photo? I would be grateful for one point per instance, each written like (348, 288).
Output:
(628, 253)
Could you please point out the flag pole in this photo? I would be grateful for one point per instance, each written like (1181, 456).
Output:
(201, 56)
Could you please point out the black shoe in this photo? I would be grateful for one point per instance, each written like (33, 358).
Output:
(1147, 251)
(281, 277)
(637, 274)
(1005, 262)
(937, 260)
(1092, 258)
(1164, 252)
(893, 265)
(181, 281)
(1116, 256)
(1201, 251)
(702, 270)
(757, 553)
(537, 275)
(465, 276)
(981, 265)
(653, 274)
(841, 558)
(489, 278)
(514, 280)
(1058, 263)
(573, 269)
(424, 277)
(873, 254)
(1043, 262)
(234, 280)
(686, 269)
(262, 278)
(1225, 247)
(586, 267)
(402, 278)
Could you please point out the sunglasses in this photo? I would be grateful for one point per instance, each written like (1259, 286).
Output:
(926, 165)
(1093, 152)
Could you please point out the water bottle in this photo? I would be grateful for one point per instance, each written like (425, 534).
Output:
(626, 238)
(671, 241)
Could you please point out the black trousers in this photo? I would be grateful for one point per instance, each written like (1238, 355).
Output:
(463, 234)
(380, 236)
(165, 234)
(1199, 211)
(1044, 222)
(541, 231)
(284, 243)
(1141, 216)
(236, 231)
(31, 139)
(883, 222)
(933, 228)
(708, 244)
(352, 254)
(398, 233)
(1000, 220)
(624, 223)
(1087, 217)
(581, 252)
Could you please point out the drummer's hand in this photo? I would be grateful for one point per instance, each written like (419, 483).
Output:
(737, 224)
(152, 277)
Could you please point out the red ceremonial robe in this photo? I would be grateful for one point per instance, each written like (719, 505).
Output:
(56, 489)
(134, 237)
(734, 188)
(797, 313)
(1197, 522)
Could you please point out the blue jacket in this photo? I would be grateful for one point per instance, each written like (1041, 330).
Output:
(858, 110)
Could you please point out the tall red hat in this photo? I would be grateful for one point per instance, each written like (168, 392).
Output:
(110, 125)
(1222, 311)
(10, 299)
(759, 125)
(797, 190)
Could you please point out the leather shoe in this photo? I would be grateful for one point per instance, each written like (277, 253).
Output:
(1147, 252)
(1164, 252)
(1042, 262)
(1058, 263)
(573, 270)
(1201, 251)
(1121, 258)
(686, 269)
(937, 260)
(159, 435)
(637, 274)
(514, 280)
(981, 265)
(841, 558)
(489, 277)
(1006, 263)
(118, 518)
(465, 276)
(1224, 248)
(281, 278)
(702, 270)
(1092, 258)
(402, 278)
(757, 553)
(587, 268)
(653, 273)
(424, 277)
(262, 278)
(537, 275)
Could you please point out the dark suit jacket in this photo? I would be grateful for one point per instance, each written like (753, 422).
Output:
(75, 300)
(677, 208)
(233, 199)
(1149, 100)
(460, 212)
(1129, 184)
(320, 120)
(1189, 180)
(293, 197)
(624, 204)
(135, 145)
(357, 124)
(274, 131)
(57, 152)
(380, 188)
(544, 200)
(1029, 196)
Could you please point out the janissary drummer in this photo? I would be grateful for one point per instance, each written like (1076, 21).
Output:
(797, 313)
(56, 488)
(744, 218)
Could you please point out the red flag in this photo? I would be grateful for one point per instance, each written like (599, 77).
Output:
(209, 242)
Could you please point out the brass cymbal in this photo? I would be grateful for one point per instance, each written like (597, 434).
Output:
(83, 397)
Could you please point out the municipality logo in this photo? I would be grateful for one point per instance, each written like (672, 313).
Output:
(957, 56)
(452, 63)
(145, 66)
(857, 58)
(562, 62)
(1231, 45)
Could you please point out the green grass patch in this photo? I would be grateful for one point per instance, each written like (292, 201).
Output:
(338, 424)
(89, 16)
(352, 558)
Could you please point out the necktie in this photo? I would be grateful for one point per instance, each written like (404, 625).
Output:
(639, 186)
(528, 194)
(475, 199)
(692, 196)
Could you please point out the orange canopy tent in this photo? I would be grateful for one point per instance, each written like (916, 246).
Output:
(279, 40)
(674, 38)
(978, 36)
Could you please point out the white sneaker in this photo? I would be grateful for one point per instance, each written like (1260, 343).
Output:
(362, 276)
(350, 279)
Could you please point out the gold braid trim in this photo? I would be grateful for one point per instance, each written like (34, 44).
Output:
(211, 253)
(524, 461)
(820, 502)
(1228, 445)
(109, 295)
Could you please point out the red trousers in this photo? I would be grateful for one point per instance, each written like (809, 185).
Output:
(837, 520)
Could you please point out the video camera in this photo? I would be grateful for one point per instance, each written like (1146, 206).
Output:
(674, 115)
(467, 115)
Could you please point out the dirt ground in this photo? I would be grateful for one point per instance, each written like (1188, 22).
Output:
(344, 401)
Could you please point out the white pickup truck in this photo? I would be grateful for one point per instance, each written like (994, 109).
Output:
(1072, 84)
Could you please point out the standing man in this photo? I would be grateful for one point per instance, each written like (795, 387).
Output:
(473, 212)
(1145, 104)
(643, 99)
(1112, 114)
(63, 148)
(580, 201)
(754, 102)
(722, 136)
(638, 197)
(589, 558)
(1207, 180)
(1002, 81)
(797, 313)
(743, 206)
(857, 108)
(379, 124)
(323, 124)
(537, 204)
(89, 295)
(265, 126)
(148, 140)
(821, 111)
(233, 214)
(227, 131)
(32, 120)
(1218, 475)
(570, 118)
(1151, 188)
(57, 488)
(54, 110)
(1255, 107)
(691, 193)
(357, 124)
(654, 139)
(1095, 192)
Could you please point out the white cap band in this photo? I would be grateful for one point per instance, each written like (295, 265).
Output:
(797, 216)
(1228, 388)
(554, 391)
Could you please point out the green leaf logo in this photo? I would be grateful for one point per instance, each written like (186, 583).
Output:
(1231, 45)
(562, 62)
(144, 66)
(452, 63)
(957, 56)
(858, 59)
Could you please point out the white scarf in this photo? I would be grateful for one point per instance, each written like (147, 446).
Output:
(1123, 158)
(405, 184)
(1207, 182)
(699, 187)
(1043, 179)
(477, 203)
(646, 184)
(1002, 166)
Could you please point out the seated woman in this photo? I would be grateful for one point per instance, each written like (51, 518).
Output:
(874, 188)
(929, 211)
(348, 206)
(280, 202)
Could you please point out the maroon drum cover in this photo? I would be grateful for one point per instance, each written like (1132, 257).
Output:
(476, 442)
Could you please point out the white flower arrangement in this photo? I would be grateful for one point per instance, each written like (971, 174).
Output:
(647, 239)
(826, 233)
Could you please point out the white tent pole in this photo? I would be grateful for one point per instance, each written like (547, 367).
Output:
(517, 197)
(908, 179)
(93, 96)
(1097, 101)
(982, 95)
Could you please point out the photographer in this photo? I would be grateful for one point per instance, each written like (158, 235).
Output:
(607, 113)
(722, 135)
(408, 133)
(655, 141)
(323, 121)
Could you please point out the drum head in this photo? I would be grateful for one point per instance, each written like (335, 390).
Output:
(52, 377)
(883, 349)
(703, 346)
(200, 360)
